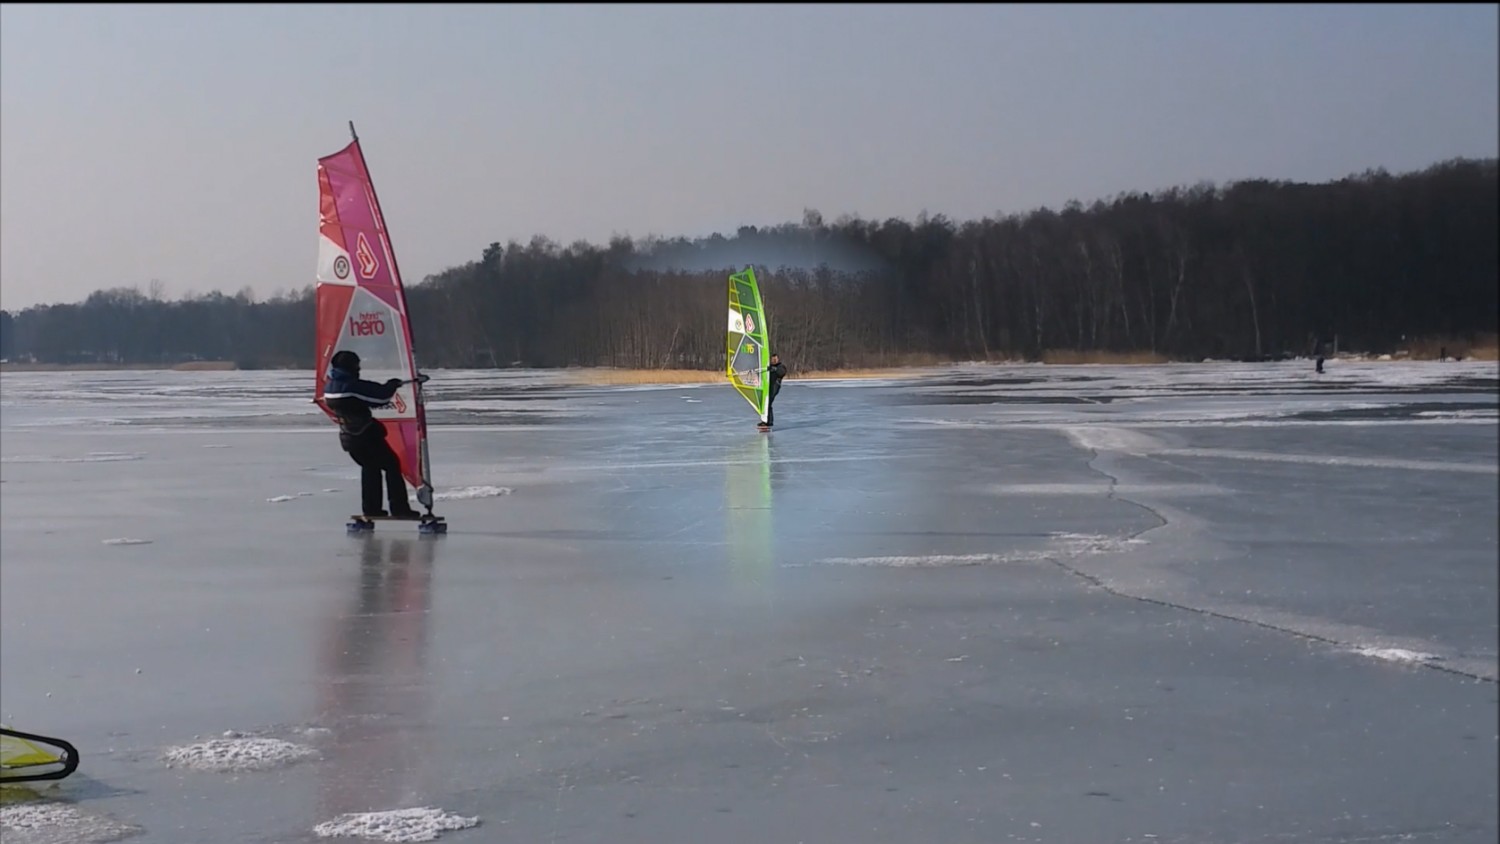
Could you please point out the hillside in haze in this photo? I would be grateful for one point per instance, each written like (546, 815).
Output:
(1256, 269)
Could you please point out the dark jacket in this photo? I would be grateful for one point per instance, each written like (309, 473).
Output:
(777, 372)
(352, 398)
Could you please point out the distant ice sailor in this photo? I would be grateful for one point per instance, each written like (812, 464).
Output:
(363, 436)
(777, 371)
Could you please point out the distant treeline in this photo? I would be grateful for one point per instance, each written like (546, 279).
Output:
(1256, 269)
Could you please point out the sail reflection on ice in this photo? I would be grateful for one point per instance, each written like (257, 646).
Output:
(373, 685)
(748, 515)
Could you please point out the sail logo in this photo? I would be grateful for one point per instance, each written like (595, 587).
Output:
(367, 325)
(398, 403)
(341, 267)
(367, 263)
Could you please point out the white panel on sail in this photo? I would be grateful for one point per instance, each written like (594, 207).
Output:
(372, 330)
(736, 322)
(333, 263)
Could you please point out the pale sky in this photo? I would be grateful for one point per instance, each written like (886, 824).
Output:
(180, 143)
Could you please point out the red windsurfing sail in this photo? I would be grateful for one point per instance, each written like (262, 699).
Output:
(361, 305)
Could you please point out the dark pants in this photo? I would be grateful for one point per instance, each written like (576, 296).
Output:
(770, 403)
(375, 457)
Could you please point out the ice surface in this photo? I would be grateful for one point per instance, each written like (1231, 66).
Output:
(1207, 603)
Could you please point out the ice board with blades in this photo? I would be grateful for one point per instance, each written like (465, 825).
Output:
(360, 523)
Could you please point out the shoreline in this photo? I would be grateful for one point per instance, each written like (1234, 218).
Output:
(610, 376)
(188, 366)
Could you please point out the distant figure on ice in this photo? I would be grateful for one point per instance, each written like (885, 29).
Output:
(363, 436)
(777, 371)
(1318, 351)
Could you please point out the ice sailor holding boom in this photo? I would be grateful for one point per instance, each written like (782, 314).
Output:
(352, 399)
(777, 369)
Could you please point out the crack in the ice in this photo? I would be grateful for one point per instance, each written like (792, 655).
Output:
(1110, 495)
(1098, 583)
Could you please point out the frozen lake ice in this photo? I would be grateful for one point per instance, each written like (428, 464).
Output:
(1186, 603)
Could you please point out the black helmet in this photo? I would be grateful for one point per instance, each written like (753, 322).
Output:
(345, 360)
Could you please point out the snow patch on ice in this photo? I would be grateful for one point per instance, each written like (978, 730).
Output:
(470, 492)
(277, 499)
(399, 825)
(125, 540)
(238, 754)
(59, 823)
(1398, 655)
(1488, 413)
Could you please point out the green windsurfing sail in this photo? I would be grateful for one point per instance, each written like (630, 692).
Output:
(25, 757)
(746, 357)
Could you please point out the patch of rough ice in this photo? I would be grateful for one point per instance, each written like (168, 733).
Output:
(934, 560)
(1398, 655)
(1079, 544)
(238, 754)
(1104, 438)
(58, 823)
(91, 457)
(1329, 460)
(125, 540)
(1103, 488)
(1061, 545)
(469, 492)
(216, 445)
(399, 825)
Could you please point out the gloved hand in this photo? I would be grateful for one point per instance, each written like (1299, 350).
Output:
(422, 378)
(394, 382)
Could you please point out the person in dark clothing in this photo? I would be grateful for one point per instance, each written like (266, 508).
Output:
(362, 436)
(777, 371)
